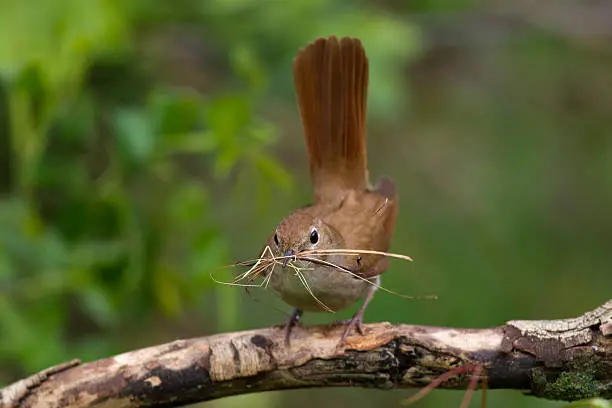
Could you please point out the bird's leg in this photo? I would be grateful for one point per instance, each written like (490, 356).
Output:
(294, 320)
(357, 320)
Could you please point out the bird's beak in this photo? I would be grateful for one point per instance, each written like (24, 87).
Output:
(288, 254)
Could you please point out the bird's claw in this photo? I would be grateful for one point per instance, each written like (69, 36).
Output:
(357, 323)
(293, 321)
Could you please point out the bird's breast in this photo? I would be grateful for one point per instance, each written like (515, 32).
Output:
(316, 287)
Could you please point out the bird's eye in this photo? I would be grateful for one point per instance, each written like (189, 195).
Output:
(314, 237)
(276, 238)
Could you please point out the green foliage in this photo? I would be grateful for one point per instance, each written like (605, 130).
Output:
(99, 213)
(109, 171)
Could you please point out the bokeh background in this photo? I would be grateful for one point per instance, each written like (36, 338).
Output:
(145, 144)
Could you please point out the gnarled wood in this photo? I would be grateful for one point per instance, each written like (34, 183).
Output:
(561, 359)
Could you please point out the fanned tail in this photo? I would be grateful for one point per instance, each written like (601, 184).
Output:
(331, 81)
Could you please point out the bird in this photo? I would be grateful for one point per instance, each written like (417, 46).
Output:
(321, 242)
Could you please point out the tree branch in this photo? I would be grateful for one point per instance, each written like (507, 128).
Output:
(559, 359)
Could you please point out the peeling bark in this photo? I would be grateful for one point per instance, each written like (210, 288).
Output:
(567, 359)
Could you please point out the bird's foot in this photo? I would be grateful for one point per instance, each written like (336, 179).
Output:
(294, 320)
(356, 322)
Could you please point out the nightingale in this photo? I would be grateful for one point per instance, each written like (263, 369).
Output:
(331, 83)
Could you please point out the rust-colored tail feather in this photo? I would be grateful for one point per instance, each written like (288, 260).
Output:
(331, 81)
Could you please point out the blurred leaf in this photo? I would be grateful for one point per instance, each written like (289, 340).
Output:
(97, 304)
(188, 204)
(227, 116)
(28, 141)
(226, 160)
(135, 136)
(30, 81)
(229, 315)
(273, 171)
(90, 348)
(228, 7)
(179, 121)
(191, 143)
(166, 289)
(209, 252)
(25, 337)
(90, 253)
(247, 65)
(5, 271)
(77, 122)
(57, 36)
(263, 133)
(175, 111)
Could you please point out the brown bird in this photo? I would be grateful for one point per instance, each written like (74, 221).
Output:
(331, 81)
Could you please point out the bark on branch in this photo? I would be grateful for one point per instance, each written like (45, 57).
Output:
(567, 359)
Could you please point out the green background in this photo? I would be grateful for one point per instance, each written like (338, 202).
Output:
(145, 144)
